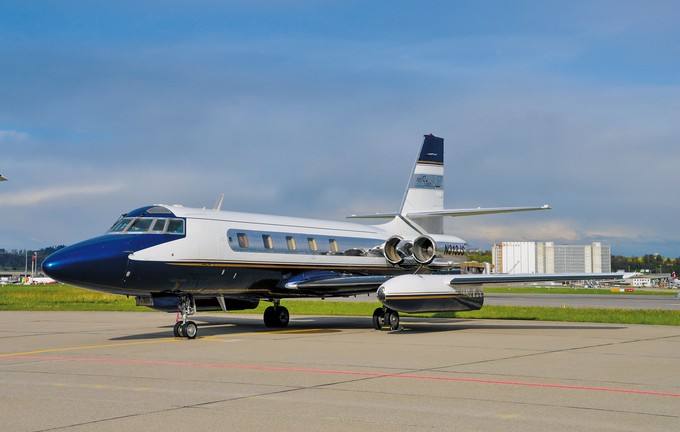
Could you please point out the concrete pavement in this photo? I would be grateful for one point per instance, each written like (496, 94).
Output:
(101, 371)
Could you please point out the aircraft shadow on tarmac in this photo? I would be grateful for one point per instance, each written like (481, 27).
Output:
(233, 325)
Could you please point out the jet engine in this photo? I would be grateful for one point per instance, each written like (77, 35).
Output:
(425, 250)
(396, 249)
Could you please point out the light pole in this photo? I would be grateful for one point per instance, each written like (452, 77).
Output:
(34, 260)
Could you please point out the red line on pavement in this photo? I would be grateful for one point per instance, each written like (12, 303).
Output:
(344, 372)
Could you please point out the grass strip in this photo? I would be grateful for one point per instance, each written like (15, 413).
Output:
(575, 290)
(68, 298)
(57, 297)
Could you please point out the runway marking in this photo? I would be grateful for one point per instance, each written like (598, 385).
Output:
(349, 373)
(53, 350)
(164, 340)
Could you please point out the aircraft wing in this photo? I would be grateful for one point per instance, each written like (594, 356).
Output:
(497, 278)
(453, 292)
(337, 283)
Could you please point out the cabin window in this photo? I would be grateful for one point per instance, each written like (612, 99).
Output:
(176, 226)
(159, 225)
(242, 240)
(311, 241)
(290, 241)
(267, 241)
(333, 244)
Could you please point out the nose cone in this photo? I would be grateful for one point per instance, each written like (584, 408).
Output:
(98, 263)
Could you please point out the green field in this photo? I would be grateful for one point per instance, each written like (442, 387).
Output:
(575, 290)
(68, 298)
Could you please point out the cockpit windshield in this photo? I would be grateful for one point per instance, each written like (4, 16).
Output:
(154, 225)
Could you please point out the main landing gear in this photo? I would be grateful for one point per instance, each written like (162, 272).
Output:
(184, 328)
(385, 317)
(276, 316)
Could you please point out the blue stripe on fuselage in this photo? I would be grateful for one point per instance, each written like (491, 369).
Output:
(101, 262)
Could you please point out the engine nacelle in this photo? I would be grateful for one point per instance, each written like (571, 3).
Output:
(396, 249)
(424, 250)
(427, 248)
(447, 250)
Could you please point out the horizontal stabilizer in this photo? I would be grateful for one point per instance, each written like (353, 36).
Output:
(474, 211)
(455, 212)
(373, 216)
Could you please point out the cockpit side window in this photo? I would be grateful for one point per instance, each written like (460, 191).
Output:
(159, 225)
(141, 224)
(148, 225)
(120, 224)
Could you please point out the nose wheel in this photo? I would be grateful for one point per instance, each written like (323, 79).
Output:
(385, 317)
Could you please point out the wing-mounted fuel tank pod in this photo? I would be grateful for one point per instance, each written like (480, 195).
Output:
(429, 293)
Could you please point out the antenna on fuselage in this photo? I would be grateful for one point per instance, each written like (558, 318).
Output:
(218, 203)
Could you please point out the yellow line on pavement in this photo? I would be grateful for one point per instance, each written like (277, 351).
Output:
(87, 347)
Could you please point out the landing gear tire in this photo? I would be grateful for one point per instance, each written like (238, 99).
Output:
(190, 330)
(392, 320)
(276, 316)
(177, 329)
(384, 317)
(378, 319)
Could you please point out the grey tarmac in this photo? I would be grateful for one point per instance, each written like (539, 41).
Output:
(113, 371)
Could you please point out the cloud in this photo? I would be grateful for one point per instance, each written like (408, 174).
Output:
(32, 197)
(291, 113)
(12, 136)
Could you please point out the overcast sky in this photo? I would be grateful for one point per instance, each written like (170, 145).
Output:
(318, 108)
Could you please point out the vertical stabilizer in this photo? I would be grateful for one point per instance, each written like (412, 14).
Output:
(425, 190)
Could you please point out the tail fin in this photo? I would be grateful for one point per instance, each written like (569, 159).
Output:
(422, 208)
(425, 190)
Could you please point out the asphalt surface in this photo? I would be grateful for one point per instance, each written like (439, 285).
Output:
(599, 301)
(101, 371)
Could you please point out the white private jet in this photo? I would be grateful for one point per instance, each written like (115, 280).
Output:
(175, 258)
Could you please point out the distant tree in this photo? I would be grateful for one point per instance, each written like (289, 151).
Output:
(480, 256)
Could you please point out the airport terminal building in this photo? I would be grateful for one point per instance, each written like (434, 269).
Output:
(549, 258)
